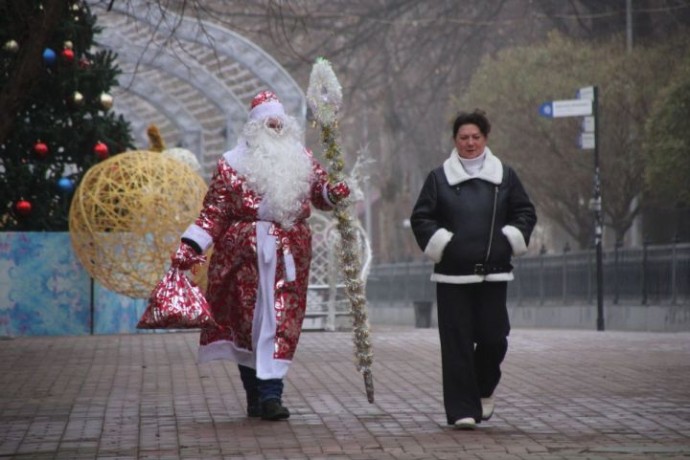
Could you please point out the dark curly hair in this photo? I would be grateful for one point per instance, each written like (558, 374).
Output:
(477, 117)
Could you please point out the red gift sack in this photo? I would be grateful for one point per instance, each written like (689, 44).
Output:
(176, 303)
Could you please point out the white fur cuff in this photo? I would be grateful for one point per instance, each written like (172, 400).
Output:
(516, 240)
(199, 236)
(437, 243)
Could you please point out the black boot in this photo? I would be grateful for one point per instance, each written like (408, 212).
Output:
(253, 407)
(273, 409)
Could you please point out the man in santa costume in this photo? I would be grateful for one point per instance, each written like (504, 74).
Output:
(255, 216)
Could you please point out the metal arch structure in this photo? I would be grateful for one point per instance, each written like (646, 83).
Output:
(192, 132)
(138, 123)
(208, 84)
(145, 40)
(224, 42)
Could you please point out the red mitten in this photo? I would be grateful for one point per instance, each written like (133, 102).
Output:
(338, 192)
(186, 257)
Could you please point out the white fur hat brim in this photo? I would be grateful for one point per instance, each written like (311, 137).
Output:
(267, 110)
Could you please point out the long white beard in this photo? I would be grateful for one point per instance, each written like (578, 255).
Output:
(278, 169)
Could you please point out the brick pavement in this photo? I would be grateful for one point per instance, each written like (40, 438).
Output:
(564, 395)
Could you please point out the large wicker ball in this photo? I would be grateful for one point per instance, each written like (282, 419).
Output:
(127, 216)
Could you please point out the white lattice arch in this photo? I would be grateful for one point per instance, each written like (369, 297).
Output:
(189, 127)
(214, 90)
(327, 301)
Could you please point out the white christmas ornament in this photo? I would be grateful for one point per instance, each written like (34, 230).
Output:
(185, 156)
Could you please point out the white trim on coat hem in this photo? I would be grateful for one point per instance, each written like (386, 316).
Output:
(469, 279)
(227, 351)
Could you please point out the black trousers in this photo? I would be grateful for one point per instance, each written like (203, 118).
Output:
(473, 326)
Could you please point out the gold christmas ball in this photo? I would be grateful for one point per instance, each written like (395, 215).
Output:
(127, 216)
(78, 98)
(106, 100)
(68, 45)
(11, 46)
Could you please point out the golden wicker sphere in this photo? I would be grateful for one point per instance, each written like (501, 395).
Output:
(127, 216)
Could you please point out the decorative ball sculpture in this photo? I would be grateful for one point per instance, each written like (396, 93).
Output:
(127, 216)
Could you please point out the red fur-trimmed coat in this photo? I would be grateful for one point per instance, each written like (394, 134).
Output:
(229, 216)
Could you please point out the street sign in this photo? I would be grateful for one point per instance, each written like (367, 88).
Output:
(587, 105)
(588, 124)
(566, 108)
(586, 93)
(586, 141)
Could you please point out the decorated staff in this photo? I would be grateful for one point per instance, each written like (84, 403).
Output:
(324, 97)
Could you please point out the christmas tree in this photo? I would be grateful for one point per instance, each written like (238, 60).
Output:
(55, 110)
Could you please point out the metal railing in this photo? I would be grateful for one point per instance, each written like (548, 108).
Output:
(651, 274)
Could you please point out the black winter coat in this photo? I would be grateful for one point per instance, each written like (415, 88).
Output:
(452, 221)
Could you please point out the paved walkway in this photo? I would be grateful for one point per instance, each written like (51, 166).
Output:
(564, 395)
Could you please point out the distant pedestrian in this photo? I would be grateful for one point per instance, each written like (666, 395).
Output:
(471, 216)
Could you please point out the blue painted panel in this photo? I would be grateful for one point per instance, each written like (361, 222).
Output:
(44, 290)
(115, 313)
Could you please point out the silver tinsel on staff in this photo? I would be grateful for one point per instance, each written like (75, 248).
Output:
(324, 97)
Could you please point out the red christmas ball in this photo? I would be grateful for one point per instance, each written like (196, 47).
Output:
(41, 149)
(23, 207)
(101, 150)
(68, 55)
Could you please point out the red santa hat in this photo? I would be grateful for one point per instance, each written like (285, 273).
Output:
(266, 105)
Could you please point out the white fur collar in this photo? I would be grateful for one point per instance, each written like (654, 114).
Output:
(492, 171)
(232, 157)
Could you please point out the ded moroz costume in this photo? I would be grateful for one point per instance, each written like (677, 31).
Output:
(255, 216)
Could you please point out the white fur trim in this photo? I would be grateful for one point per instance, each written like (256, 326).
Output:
(492, 171)
(516, 240)
(469, 279)
(233, 157)
(324, 193)
(437, 243)
(267, 109)
(227, 351)
(508, 276)
(199, 236)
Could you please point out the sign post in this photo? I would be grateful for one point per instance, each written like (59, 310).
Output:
(598, 224)
(587, 105)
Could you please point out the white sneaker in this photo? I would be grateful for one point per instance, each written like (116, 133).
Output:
(487, 407)
(466, 423)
